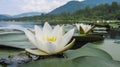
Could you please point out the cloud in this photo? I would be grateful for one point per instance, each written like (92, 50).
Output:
(13, 7)
(42, 5)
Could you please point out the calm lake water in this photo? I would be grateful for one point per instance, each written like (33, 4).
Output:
(23, 24)
(111, 35)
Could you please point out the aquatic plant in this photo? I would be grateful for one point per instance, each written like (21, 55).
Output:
(84, 28)
(49, 41)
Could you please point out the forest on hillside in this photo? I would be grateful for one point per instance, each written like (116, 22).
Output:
(99, 12)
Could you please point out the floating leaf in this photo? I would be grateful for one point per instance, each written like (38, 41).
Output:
(90, 61)
(53, 62)
(110, 47)
(87, 51)
(5, 52)
(83, 57)
(14, 39)
(16, 44)
(85, 61)
(1, 66)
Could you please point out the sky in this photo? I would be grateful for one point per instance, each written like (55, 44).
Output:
(14, 7)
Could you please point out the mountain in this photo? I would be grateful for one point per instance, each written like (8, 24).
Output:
(69, 7)
(28, 14)
(72, 6)
(97, 2)
(3, 16)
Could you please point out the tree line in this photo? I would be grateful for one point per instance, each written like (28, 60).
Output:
(99, 12)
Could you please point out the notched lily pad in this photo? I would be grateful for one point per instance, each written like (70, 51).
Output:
(84, 61)
(16, 39)
(92, 61)
(110, 47)
(5, 51)
(82, 40)
(87, 51)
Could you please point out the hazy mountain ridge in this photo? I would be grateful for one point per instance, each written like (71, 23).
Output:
(68, 7)
(75, 5)
(4, 16)
(28, 14)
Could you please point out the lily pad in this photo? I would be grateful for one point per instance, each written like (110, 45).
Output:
(5, 52)
(83, 57)
(15, 39)
(117, 41)
(1, 66)
(84, 61)
(52, 62)
(86, 56)
(16, 44)
(109, 46)
(87, 51)
(12, 36)
(90, 61)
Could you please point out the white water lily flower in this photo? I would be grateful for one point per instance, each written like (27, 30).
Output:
(84, 28)
(49, 41)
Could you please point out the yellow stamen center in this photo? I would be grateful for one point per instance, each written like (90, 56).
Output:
(51, 39)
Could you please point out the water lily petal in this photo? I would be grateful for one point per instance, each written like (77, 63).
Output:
(66, 47)
(82, 30)
(90, 29)
(50, 47)
(39, 33)
(83, 27)
(41, 46)
(34, 41)
(47, 29)
(87, 27)
(30, 36)
(62, 30)
(78, 26)
(69, 45)
(57, 43)
(57, 31)
(36, 52)
(66, 38)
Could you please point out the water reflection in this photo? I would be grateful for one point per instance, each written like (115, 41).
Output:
(112, 34)
(23, 24)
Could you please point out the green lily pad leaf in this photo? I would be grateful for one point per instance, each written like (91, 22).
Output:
(82, 34)
(117, 41)
(83, 57)
(87, 51)
(1, 66)
(16, 44)
(110, 47)
(5, 52)
(84, 61)
(52, 62)
(15, 39)
(12, 36)
(90, 61)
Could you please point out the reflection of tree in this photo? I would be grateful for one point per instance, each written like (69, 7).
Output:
(113, 34)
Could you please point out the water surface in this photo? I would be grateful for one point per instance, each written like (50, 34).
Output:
(110, 36)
